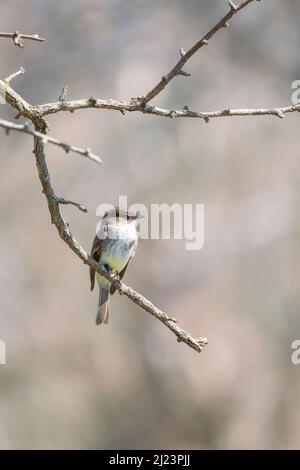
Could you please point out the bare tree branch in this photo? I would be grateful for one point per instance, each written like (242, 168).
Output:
(185, 56)
(62, 200)
(25, 128)
(123, 106)
(66, 235)
(40, 138)
(206, 115)
(140, 104)
(18, 37)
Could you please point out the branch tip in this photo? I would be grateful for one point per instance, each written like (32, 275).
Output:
(8, 79)
(61, 200)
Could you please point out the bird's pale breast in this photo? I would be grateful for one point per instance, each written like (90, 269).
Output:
(117, 251)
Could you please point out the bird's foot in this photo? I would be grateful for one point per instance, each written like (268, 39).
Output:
(117, 276)
(107, 269)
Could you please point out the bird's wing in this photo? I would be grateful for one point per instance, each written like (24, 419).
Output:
(95, 254)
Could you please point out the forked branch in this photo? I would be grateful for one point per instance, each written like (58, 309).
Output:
(185, 56)
(25, 109)
(140, 104)
(65, 233)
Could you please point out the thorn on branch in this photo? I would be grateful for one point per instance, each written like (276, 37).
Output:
(183, 73)
(233, 6)
(64, 93)
(204, 42)
(92, 101)
(226, 24)
(174, 320)
(182, 52)
(66, 147)
(280, 113)
(173, 113)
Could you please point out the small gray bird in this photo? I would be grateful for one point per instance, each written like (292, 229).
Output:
(113, 248)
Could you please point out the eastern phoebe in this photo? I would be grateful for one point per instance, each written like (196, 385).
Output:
(113, 248)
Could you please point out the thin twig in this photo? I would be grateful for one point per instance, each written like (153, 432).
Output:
(25, 128)
(8, 79)
(64, 93)
(18, 37)
(62, 200)
(187, 55)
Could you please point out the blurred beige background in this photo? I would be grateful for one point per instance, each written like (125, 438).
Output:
(69, 384)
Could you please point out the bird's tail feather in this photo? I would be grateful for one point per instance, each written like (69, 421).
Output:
(102, 310)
